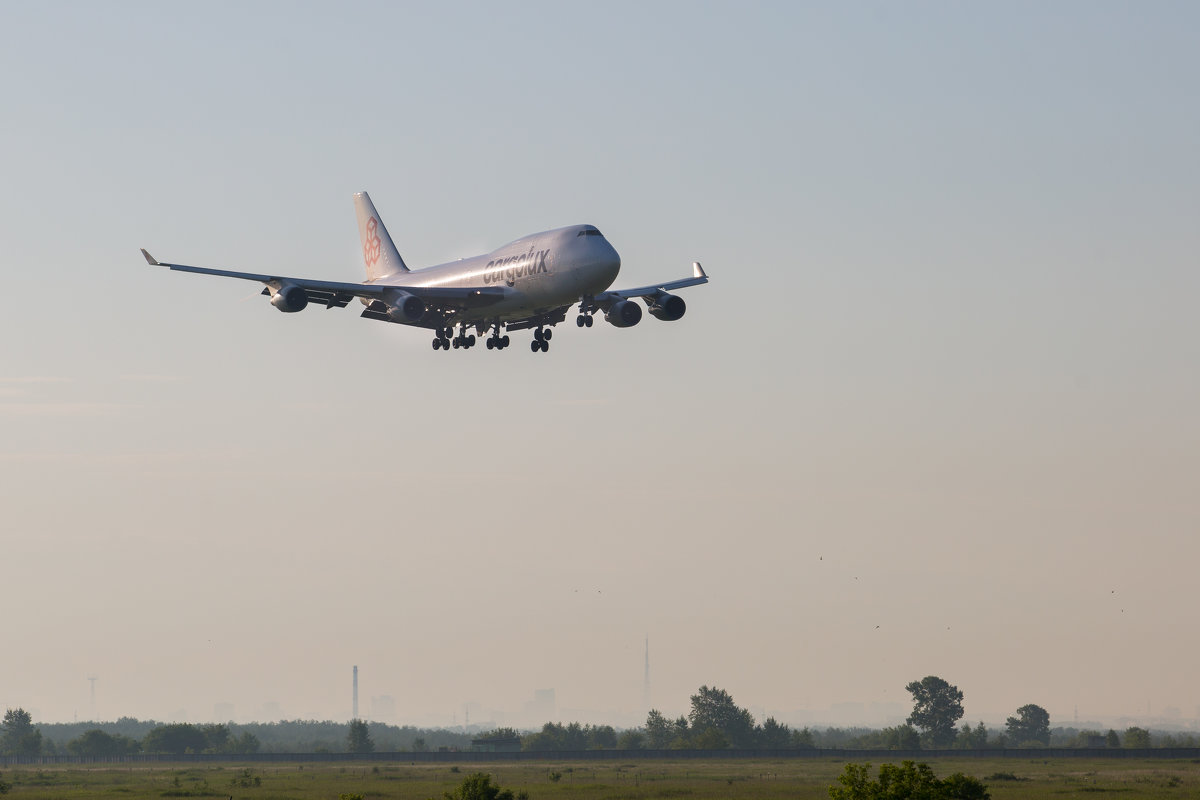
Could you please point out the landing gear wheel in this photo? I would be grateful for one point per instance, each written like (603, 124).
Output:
(504, 342)
(579, 323)
(545, 345)
(437, 344)
(588, 320)
(471, 339)
(491, 343)
(548, 334)
(535, 346)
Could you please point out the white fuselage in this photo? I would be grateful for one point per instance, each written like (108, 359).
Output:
(539, 272)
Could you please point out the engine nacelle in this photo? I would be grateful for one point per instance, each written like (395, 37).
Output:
(667, 307)
(290, 299)
(405, 308)
(623, 314)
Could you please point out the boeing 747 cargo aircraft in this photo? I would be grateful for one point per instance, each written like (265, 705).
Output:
(528, 283)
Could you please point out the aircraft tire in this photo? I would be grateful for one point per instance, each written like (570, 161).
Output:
(587, 321)
(505, 340)
(549, 334)
(545, 346)
(437, 344)
(471, 339)
(535, 346)
(579, 323)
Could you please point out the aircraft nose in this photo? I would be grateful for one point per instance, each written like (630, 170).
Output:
(611, 259)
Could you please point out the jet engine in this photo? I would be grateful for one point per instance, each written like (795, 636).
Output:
(404, 307)
(290, 298)
(667, 307)
(624, 314)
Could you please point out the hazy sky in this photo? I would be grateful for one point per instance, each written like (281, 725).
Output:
(936, 413)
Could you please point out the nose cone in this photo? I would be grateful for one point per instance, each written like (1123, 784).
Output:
(610, 261)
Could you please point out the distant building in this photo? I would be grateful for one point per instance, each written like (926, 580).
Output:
(223, 712)
(541, 709)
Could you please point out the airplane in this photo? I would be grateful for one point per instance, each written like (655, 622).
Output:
(531, 282)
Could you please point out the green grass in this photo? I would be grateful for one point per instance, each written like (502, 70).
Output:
(793, 779)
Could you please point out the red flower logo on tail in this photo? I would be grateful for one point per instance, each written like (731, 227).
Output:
(371, 243)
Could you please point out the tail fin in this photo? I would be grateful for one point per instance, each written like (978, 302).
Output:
(379, 253)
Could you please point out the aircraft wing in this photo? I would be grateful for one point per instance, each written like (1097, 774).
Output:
(336, 293)
(698, 277)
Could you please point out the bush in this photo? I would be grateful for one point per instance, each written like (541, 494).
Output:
(479, 786)
(909, 781)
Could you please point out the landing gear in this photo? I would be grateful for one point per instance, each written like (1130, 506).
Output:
(584, 320)
(541, 340)
(462, 340)
(442, 340)
(496, 341)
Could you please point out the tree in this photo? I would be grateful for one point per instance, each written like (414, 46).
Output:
(98, 744)
(602, 737)
(20, 738)
(909, 781)
(937, 708)
(714, 708)
(216, 738)
(1111, 739)
(358, 738)
(1031, 724)
(660, 731)
(176, 738)
(631, 739)
(803, 739)
(773, 735)
(1136, 737)
(247, 742)
(972, 739)
(479, 786)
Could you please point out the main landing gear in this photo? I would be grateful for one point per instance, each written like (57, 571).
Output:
(584, 320)
(496, 341)
(442, 340)
(541, 339)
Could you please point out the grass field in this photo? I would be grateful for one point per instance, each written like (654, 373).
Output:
(795, 779)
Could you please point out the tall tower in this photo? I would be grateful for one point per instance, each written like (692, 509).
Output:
(92, 681)
(646, 681)
(355, 716)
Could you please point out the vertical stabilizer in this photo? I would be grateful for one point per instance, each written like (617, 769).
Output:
(379, 253)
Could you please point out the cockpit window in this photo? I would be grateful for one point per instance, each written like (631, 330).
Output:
(588, 232)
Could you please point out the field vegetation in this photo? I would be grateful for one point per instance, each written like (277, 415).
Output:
(691, 779)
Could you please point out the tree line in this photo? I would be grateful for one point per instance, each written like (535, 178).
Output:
(714, 722)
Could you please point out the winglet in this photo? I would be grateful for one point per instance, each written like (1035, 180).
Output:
(150, 259)
(697, 270)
